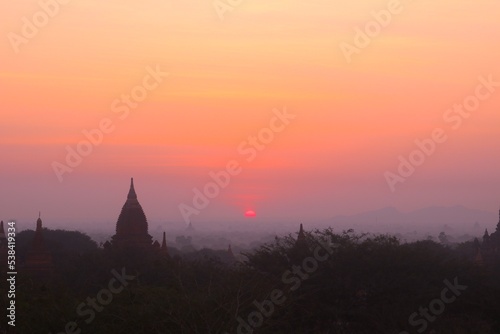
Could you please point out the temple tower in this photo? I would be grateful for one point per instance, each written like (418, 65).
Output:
(38, 260)
(132, 225)
(301, 248)
(164, 243)
(301, 238)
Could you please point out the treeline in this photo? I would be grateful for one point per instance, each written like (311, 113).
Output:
(325, 283)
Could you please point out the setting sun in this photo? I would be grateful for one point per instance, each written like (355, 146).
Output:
(250, 214)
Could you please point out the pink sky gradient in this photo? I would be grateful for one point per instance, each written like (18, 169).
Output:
(225, 78)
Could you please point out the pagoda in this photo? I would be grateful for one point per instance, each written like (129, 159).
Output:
(132, 225)
(38, 261)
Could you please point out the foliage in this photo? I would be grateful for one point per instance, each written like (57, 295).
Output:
(368, 284)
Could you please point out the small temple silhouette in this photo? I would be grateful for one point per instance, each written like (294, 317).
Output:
(163, 247)
(301, 241)
(38, 260)
(489, 249)
(300, 249)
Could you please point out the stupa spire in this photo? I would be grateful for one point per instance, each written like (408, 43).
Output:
(38, 242)
(301, 235)
(39, 222)
(164, 242)
(131, 192)
(301, 238)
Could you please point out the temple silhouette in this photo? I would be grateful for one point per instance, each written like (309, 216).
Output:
(38, 261)
(132, 225)
(132, 228)
(489, 249)
(301, 238)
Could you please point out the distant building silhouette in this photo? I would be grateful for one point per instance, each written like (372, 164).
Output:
(490, 247)
(301, 238)
(163, 248)
(300, 249)
(38, 261)
(493, 240)
(486, 239)
(132, 225)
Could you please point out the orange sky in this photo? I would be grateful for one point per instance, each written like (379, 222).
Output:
(225, 78)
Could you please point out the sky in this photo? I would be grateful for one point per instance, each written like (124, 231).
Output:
(174, 91)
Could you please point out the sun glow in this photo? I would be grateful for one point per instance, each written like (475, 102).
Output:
(250, 214)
